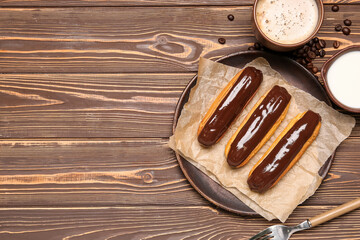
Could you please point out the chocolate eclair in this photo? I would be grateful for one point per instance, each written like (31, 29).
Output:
(228, 104)
(287, 149)
(259, 125)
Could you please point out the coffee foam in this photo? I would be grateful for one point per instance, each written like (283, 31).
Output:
(287, 21)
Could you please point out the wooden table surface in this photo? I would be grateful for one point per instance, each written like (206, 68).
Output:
(87, 95)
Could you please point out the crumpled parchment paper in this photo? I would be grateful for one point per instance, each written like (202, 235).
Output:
(300, 182)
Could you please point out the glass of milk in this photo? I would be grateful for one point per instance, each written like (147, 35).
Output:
(284, 25)
(341, 74)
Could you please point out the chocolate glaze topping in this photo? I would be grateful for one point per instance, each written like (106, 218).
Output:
(231, 105)
(275, 163)
(258, 125)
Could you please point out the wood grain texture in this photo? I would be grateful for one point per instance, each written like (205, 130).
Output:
(158, 223)
(61, 3)
(91, 105)
(127, 171)
(132, 39)
(92, 172)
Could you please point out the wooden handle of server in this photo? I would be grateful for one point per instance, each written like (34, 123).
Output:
(333, 213)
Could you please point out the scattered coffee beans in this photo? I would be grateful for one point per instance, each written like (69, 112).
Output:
(222, 40)
(311, 55)
(335, 8)
(306, 54)
(231, 17)
(257, 46)
(347, 22)
(346, 31)
(338, 27)
(303, 61)
(322, 53)
(336, 44)
(322, 43)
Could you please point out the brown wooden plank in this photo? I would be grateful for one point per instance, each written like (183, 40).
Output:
(91, 105)
(159, 223)
(91, 172)
(61, 3)
(134, 39)
(127, 171)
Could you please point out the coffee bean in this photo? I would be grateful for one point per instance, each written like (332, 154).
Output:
(336, 44)
(311, 42)
(317, 52)
(304, 55)
(322, 53)
(301, 51)
(322, 43)
(303, 62)
(251, 48)
(338, 27)
(298, 60)
(222, 40)
(306, 48)
(231, 17)
(308, 60)
(311, 54)
(318, 47)
(346, 31)
(335, 8)
(347, 22)
(316, 40)
(313, 48)
(315, 69)
(262, 49)
(309, 65)
(257, 46)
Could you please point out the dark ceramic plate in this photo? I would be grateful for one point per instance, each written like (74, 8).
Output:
(295, 74)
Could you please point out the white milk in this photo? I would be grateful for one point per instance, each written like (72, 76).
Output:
(343, 79)
(287, 21)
